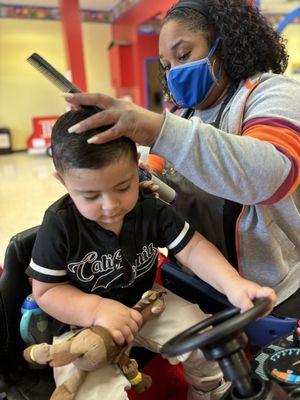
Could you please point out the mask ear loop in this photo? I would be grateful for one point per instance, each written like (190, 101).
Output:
(214, 47)
(216, 77)
(212, 65)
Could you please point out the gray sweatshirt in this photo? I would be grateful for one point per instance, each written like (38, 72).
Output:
(253, 160)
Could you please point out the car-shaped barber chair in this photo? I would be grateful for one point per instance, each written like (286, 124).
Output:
(24, 383)
(20, 382)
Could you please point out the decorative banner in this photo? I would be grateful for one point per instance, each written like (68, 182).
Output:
(52, 13)
(275, 19)
(152, 27)
(96, 16)
(28, 12)
(122, 7)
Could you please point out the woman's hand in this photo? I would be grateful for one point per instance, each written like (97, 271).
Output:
(127, 119)
(241, 294)
(122, 322)
(148, 187)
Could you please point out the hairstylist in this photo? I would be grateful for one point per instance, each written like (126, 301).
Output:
(233, 153)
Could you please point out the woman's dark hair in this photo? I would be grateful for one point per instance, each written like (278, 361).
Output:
(249, 44)
(70, 150)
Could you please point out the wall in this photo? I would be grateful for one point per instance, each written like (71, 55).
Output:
(292, 34)
(96, 39)
(126, 28)
(147, 48)
(24, 92)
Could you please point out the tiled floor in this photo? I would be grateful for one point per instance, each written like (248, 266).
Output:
(26, 190)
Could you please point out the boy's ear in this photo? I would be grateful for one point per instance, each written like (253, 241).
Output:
(58, 177)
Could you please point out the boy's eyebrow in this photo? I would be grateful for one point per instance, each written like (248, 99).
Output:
(97, 191)
(86, 191)
(122, 183)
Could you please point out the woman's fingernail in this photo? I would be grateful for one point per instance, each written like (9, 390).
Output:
(73, 128)
(67, 95)
(92, 139)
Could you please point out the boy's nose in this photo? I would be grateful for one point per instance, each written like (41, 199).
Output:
(109, 203)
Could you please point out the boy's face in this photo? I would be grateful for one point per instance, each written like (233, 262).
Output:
(104, 195)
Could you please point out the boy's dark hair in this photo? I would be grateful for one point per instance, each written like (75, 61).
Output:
(71, 150)
(249, 44)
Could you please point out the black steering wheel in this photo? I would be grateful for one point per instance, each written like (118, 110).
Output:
(223, 324)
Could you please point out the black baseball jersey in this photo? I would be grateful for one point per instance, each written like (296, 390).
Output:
(71, 248)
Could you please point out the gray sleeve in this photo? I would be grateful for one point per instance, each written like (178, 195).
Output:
(276, 96)
(243, 169)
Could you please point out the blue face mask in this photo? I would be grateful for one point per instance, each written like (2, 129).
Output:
(191, 83)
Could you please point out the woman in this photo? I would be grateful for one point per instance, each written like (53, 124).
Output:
(236, 140)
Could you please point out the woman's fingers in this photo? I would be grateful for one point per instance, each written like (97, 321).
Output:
(145, 166)
(112, 117)
(103, 137)
(140, 125)
(148, 187)
(102, 118)
(90, 99)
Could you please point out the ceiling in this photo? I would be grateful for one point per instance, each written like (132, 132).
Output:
(267, 6)
(103, 5)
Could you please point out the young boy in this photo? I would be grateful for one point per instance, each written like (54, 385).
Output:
(96, 254)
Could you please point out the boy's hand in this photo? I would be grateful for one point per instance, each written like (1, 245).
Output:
(122, 322)
(243, 292)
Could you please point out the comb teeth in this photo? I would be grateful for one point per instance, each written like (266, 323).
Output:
(57, 78)
(52, 74)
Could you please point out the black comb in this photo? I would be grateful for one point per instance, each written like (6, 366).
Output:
(57, 78)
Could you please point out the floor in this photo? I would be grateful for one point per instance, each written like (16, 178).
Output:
(27, 188)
